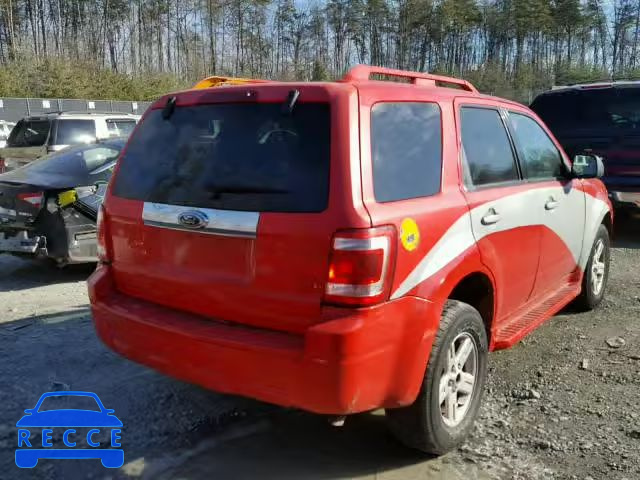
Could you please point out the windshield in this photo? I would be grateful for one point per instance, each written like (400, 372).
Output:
(245, 156)
(69, 402)
(603, 109)
(29, 133)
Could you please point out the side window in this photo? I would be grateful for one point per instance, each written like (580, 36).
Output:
(539, 157)
(487, 150)
(74, 132)
(117, 127)
(406, 150)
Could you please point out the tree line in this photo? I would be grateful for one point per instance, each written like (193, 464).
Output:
(508, 47)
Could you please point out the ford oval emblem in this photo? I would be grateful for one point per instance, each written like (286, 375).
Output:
(193, 219)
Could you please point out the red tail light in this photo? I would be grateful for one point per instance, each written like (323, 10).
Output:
(361, 267)
(34, 198)
(3, 165)
(102, 227)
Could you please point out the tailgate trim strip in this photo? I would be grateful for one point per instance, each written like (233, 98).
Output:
(209, 221)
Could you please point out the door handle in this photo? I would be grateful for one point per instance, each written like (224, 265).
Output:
(551, 204)
(492, 217)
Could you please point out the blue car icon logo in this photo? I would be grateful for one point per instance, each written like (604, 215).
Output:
(93, 417)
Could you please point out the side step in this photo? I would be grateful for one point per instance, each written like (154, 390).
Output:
(523, 323)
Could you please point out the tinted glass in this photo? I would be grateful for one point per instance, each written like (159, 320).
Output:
(244, 156)
(29, 133)
(488, 153)
(74, 132)
(118, 128)
(406, 149)
(538, 155)
(604, 109)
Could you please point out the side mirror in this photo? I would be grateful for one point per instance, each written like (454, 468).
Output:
(587, 165)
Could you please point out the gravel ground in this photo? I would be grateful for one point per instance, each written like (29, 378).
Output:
(563, 404)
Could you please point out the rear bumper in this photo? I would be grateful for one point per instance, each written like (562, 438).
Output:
(21, 243)
(356, 360)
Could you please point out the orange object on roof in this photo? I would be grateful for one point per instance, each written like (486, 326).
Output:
(215, 81)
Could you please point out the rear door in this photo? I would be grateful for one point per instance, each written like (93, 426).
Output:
(500, 203)
(221, 205)
(559, 201)
(405, 180)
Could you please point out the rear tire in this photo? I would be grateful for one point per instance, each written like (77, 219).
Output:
(596, 275)
(447, 405)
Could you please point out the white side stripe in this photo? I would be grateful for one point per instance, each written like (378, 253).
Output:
(521, 209)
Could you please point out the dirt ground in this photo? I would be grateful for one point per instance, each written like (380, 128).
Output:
(563, 404)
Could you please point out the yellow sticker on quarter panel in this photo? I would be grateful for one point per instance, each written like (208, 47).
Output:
(409, 234)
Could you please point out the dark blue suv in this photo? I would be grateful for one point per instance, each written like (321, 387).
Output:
(604, 119)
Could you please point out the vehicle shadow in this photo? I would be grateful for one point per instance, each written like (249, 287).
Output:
(627, 231)
(22, 273)
(296, 445)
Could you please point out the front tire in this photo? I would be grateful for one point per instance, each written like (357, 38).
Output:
(443, 414)
(596, 275)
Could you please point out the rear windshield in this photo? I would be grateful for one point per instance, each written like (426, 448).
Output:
(29, 133)
(76, 161)
(603, 109)
(242, 156)
(74, 132)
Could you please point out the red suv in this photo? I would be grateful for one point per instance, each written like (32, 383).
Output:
(342, 247)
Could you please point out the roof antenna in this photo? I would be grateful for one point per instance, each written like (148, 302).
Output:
(169, 108)
(287, 108)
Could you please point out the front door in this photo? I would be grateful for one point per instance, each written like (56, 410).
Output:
(559, 202)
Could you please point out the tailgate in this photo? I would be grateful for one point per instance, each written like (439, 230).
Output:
(223, 209)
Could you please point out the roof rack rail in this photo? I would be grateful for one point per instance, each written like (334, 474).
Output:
(217, 81)
(364, 72)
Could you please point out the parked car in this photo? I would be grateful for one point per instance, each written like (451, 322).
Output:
(34, 137)
(604, 119)
(342, 247)
(48, 208)
(5, 130)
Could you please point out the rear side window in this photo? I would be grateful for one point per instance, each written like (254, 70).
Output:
(74, 132)
(29, 133)
(242, 156)
(539, 157)
(487, 150)
(406, 150)
(117, 128)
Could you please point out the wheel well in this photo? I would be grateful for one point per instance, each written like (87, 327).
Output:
(476, 290)
(606, 221)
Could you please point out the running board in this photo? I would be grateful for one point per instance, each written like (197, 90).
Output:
(534, 315)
